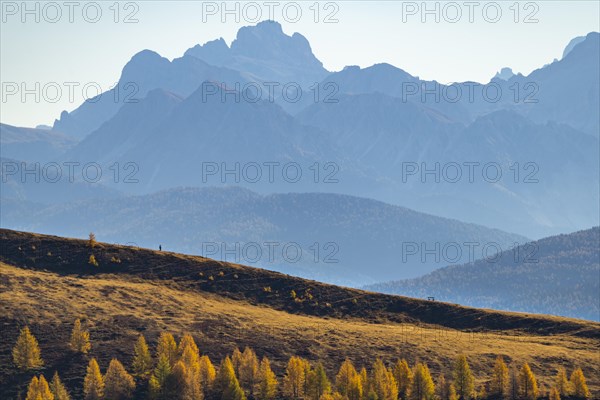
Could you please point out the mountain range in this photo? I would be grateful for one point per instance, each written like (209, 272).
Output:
(327, 237)
(556, 275)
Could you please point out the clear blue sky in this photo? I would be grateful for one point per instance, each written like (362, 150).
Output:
(365, 33)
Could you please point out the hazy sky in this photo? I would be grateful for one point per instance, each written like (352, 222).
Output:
(470, 41)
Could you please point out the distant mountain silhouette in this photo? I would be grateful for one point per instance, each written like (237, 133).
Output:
(344, 239)
(556, 275)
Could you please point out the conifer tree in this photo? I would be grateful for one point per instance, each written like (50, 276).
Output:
(58, 389)
(176, 385)
(266, 388)
(383, 382)
(452, 392)
(187, 341)
(93, 384)
(80, 338)
(153, 388)
(236, 360)
(38, 389)
(191, 359)
(118, 384)
(364, 380)
(293, 381)
(579, 385)
(248, 370)
(26, 353)
(167, 347)
(227, 384)
(318, 384)
(422, 387)
(499, 382)
(528, 388)
(463, 378)
(561, 382)
(513, 392)
(356, 390)
(442, 388)
(554, 394)
(207, 375)
(403, 376)
(162, 372)
(344, 377)
(142, 360)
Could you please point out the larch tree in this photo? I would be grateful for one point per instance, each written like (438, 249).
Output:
(38, 389)
(80, 338)
(118, 384)
(207, 375)
(364, 380)
(191, 359)
(248, 371)
(499, 381)
(528, 388)
(142, 359)
(579, 385)
(236, 360)
(176, 387)
(344, 377)
(422, 387)
(227, 385)
(356, 390)
(93, 383)
(452, 392)
(404, 377)
(187, 341)
(59, 391)
(383, 382)
(442, 387)
(554, 394)
(158, 381)
(167, 347)
(318, 383)
(266, 387)
(463, 378)
(561, 382)
(513, 385)
(26, 353)
(293, 381)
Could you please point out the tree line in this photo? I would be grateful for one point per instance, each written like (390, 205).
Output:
(177, 371)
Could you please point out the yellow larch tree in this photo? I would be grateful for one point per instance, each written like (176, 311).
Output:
(561, 382)
(38, 389)
(383, 382)
(344, 377)
(26, 353)
(422, 387)
(59, 391)
(463, 378)
(266, 387)
(227, 386)
(528, 388)
(167, 347)
(80, 338)
(579, 385)
(293, 381)
(118, 384)
(403, 376)
(499, 381)
(207, 375)
(142, 359)
(93, 383)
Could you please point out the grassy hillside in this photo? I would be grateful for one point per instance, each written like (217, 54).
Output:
(558, 275)
(46, 282)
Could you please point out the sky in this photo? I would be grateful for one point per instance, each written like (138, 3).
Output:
(50, 47)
